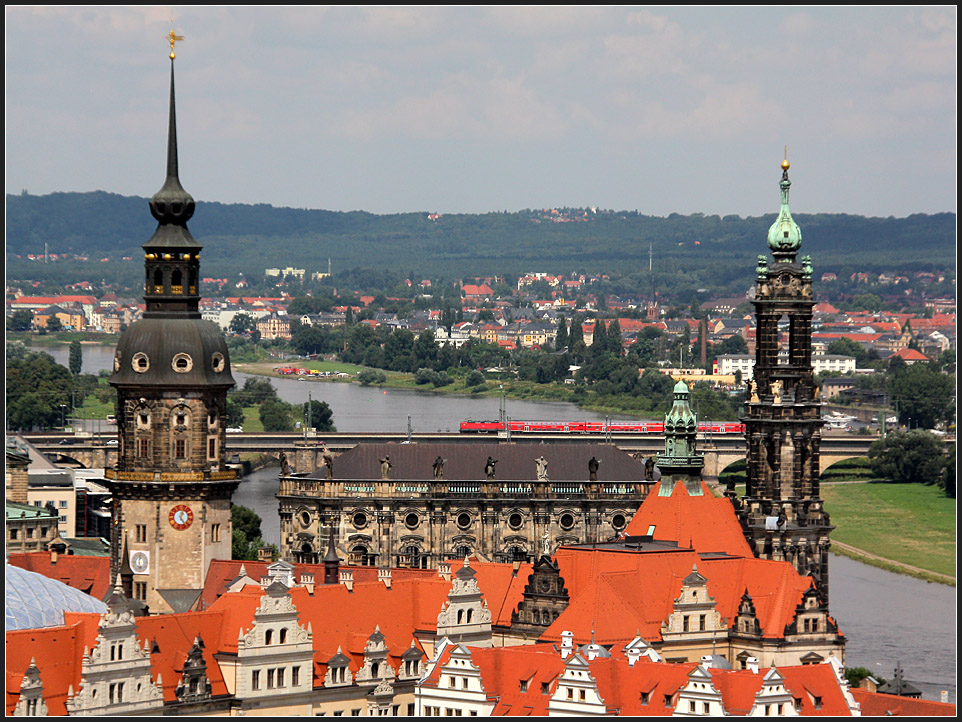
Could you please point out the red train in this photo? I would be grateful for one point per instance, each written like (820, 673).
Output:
(592, 427)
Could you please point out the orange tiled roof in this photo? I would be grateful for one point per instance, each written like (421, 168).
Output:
(705, 523)
(58, 652)
(620, 593)
(876, 704)
(90, 575)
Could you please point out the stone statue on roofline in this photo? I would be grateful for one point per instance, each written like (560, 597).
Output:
(386, 468)
(650, 469)
(542, 467)
(438, 467)
(328, 465)
(593, 466)
(285, 465)
(489, 467)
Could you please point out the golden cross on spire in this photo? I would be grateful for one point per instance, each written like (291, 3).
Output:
(173, 38)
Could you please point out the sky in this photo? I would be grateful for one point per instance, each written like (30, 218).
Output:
(478, 109)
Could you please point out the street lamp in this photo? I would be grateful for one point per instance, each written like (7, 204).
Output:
(62, 408)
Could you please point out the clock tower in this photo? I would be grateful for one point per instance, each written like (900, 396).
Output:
(171, 487)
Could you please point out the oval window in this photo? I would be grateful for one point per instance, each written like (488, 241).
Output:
(305, 518)
(140, 363)
(360, 520)
(618, 521)
(567, 521)
(464, 520)
(182, 363)
(411, 520)
(515, 521)
(217, 362)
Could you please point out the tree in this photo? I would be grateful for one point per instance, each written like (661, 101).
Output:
(925, 396)
(241, 323)
(370, 376)
(318, 415)
(54, 324)
(561, 338)
(908, 456)
(276, 415)
(235, 414)
(246, 534)
(76, 357)
(20, 320)
(475, 378)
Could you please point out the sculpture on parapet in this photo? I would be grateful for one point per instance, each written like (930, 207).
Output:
(593, 466)
(328, 465)
(542, 465)
(285, 466)
(489, 467)
(386, 468)
(776, 392)
(545, 544)
(650, 469)
(438, 467)
(752, 391)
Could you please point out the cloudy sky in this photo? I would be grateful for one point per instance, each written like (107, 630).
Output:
(475, 109)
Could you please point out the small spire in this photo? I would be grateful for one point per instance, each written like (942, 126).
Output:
(784, 236)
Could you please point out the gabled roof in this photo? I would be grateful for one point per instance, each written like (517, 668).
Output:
(704, 523)
(58, 652)
(618, 593)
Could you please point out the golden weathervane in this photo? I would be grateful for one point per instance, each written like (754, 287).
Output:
(173, 38)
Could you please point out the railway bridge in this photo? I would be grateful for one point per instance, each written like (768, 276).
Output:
(304, 453)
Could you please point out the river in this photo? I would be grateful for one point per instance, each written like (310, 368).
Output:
(888, 618)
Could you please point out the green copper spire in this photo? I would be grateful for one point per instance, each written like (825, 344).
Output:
(784, 237)
(681, 457)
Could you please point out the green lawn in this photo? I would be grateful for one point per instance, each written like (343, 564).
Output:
(910, 523)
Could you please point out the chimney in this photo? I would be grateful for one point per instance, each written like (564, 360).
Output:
(384, 575)
(706, 661)
(307, 581)
(567, 644)
(347, 579)
(752, 664)
(444, 571)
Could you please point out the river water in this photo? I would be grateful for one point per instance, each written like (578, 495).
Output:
(888, 618)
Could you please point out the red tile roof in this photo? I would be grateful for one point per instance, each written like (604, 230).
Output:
(704, 523)
(876, 704)
(90, 575)
(58, 652)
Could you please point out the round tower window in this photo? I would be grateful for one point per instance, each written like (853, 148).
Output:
(360, 520)
(305, 517)
(515, 521)
(411, 521)
(140, 363)
(567, 521)
(217, 362)
(464, 520)
(182, 363)
(618, 521)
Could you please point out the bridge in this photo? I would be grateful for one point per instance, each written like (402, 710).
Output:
(304, 453)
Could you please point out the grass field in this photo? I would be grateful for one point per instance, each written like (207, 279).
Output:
(910, 523)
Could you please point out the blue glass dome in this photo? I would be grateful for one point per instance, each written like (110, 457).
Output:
(34, 600)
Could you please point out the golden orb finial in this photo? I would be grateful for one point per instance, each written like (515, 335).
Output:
(173, 38)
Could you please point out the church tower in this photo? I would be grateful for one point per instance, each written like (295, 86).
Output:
(171, 487)
(781, 512)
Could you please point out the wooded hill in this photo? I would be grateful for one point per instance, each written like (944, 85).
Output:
(247, 238)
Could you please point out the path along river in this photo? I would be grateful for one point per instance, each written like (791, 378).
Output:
(888, 618)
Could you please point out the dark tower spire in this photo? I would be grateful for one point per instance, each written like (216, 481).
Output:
(172, 256)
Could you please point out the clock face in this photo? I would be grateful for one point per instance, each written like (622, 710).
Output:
(181, 517)
(140, 562)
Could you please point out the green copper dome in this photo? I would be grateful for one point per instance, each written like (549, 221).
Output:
(784, 237)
